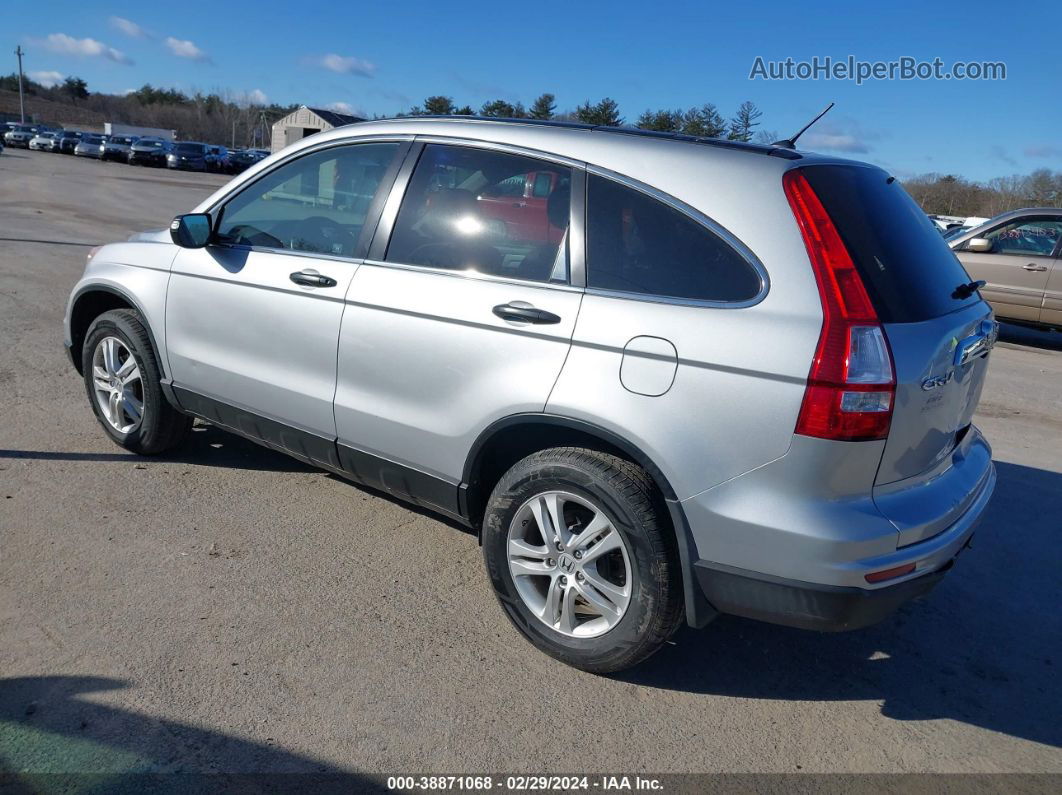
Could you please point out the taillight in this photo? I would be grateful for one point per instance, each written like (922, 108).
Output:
(851, 385)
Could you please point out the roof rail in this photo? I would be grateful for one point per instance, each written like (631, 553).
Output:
(763, 149)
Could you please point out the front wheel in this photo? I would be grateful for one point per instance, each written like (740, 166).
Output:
(583, 559)
(122, 378)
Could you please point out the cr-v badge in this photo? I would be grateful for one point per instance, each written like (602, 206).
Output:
(937, 380)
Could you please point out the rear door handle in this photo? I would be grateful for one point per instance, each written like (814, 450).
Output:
(1032, 266)
(523, 311)
(309, 279)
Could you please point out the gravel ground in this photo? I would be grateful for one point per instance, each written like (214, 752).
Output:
(227, 609)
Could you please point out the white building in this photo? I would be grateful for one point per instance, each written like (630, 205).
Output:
(306, 121)
(140, 132)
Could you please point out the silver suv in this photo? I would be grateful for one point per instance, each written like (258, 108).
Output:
(664, 377)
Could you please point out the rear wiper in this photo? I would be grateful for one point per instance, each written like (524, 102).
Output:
(964, 291)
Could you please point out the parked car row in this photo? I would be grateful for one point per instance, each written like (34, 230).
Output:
(182, 155)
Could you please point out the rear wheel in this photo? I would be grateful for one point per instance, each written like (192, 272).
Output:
(122, 378)
(582, 558)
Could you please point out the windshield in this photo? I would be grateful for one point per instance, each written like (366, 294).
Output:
(92, 139)
(149, 144)
(123, 140)
(191, 149)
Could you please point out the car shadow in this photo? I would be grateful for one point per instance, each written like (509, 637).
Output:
(46, 242)
(211, 446)
(50, 729)
(207, 445)
(984, 648)
(1032, 337)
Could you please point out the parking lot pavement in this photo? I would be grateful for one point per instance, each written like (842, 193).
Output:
(229, 609)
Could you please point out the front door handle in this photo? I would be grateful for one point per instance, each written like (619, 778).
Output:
(312, 279)
(521, 310)
(1033, 266)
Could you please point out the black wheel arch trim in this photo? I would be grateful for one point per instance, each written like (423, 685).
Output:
(558, 420)
(699, 611)
(107, 288)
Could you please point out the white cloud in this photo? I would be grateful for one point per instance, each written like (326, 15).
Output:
(47, 79)
(1043, 150)
(344, 64)
(839, 135)
(347, 109)
(841, 142)
(90, 48)
(183, 48)
(249, 98)
(128, 27)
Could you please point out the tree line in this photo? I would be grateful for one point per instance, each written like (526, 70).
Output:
(705, 120)
(210, 117)
(213, 117)
(948, 194)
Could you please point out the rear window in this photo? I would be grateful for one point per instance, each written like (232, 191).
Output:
(908, 269)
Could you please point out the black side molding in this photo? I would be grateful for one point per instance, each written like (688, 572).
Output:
(404, 482)
(398, 480)
(306, 447)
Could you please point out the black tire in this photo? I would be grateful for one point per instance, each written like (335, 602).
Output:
(629, 499)
(162, 427)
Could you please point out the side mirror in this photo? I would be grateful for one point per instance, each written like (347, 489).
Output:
(191, 231)
(979, 245)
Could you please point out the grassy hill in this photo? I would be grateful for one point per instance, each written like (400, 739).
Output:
(39, 109)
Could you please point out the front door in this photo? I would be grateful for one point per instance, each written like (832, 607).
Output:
(252, 320)
(1017, 267)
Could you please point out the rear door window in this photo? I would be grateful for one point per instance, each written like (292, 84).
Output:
(638, 244)
(907, 267)
(465, 210)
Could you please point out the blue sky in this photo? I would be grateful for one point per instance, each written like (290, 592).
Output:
(383, 57)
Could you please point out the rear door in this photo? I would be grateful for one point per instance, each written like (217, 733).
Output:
(940, 333)
(1018, 266)
(453, 322)
(1052, 311)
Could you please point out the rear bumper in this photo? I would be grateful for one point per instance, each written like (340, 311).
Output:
(772, 551)
(805, 605)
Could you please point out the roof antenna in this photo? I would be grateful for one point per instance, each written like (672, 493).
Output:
(790, 143)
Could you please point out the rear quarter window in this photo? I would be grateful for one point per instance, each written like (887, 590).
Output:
(907, 267)
(639, 244)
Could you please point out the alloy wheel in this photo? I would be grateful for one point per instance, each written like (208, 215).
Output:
(570, 565)
(118, 385)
